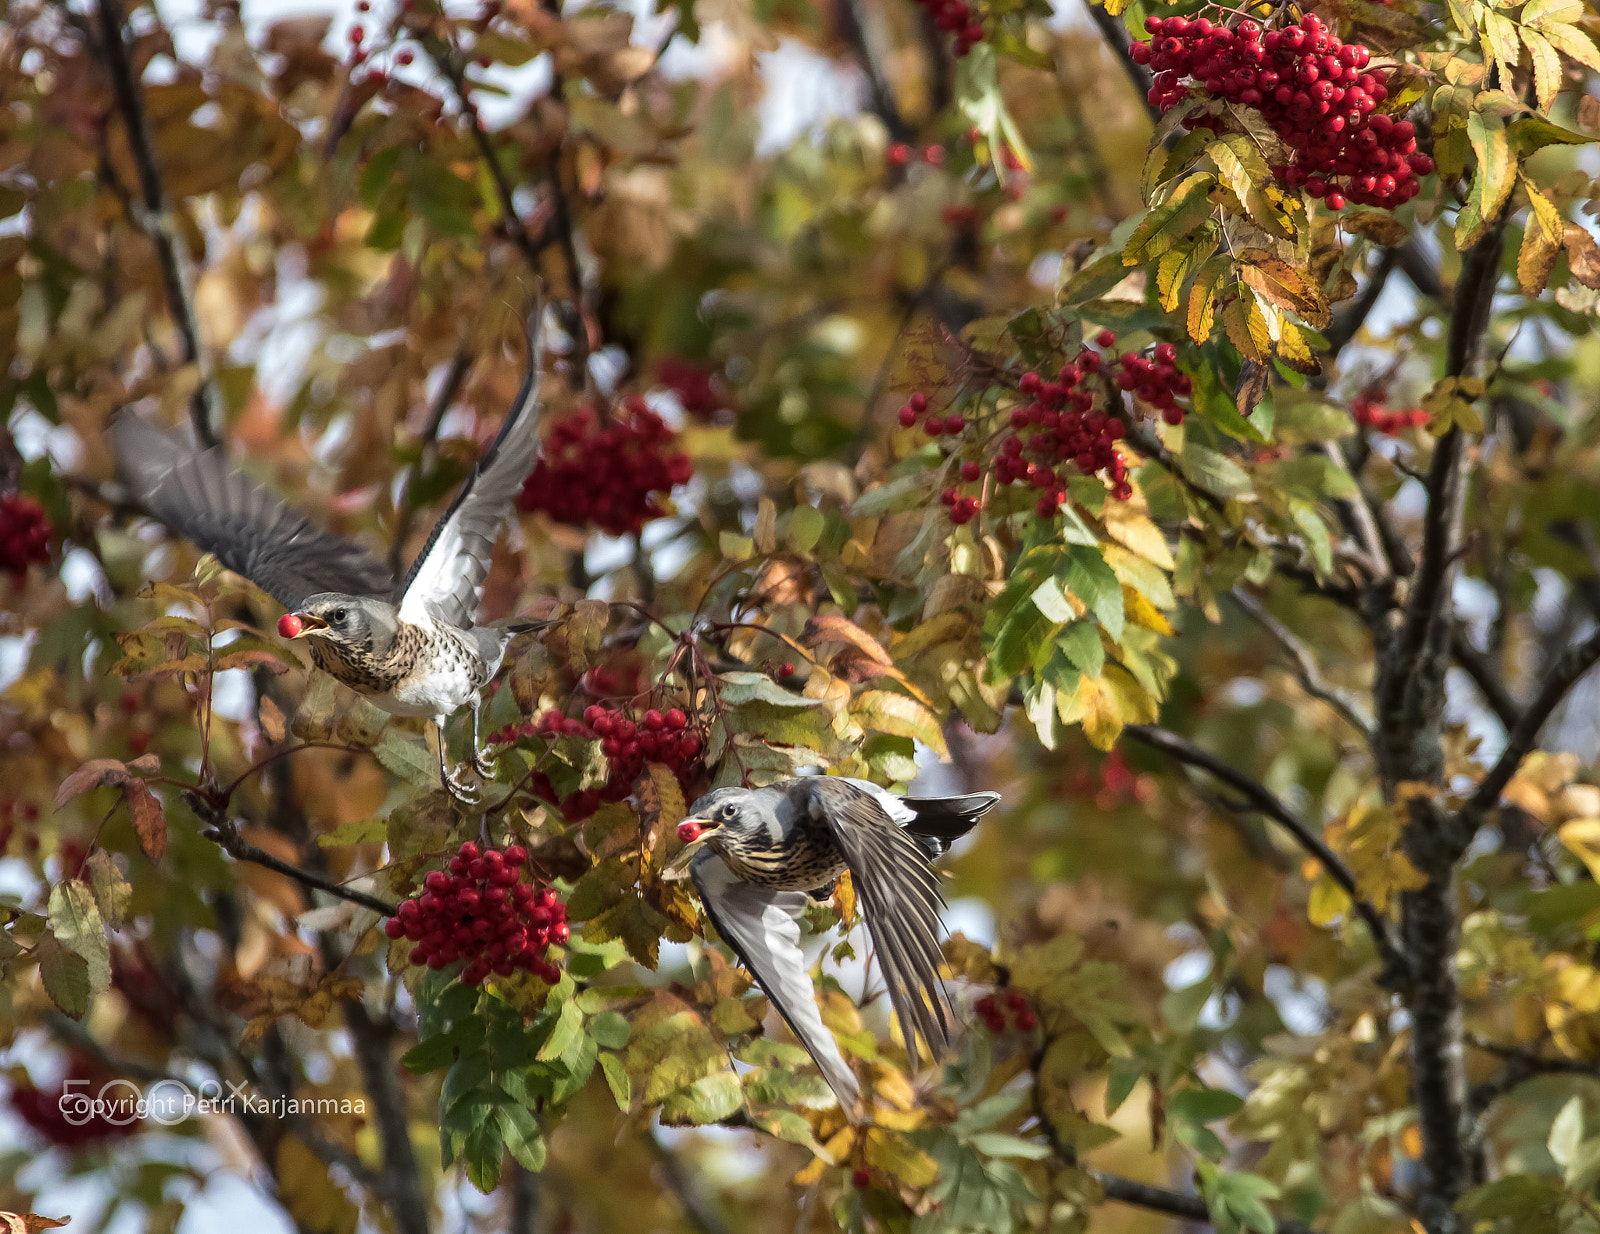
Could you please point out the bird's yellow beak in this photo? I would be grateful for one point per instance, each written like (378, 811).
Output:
(298, 625)
(691, 833)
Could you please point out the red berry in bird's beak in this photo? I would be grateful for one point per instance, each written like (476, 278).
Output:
(688, 833)
(290, 626)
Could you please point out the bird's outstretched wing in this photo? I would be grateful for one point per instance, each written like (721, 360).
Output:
(252, 531)
(446, 580)
(900, 899)
(762, 926)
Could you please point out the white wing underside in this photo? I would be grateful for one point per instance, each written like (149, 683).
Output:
(762, 926)
(446, 581)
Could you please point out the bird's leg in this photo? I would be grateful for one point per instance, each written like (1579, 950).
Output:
(464, 793)
(483, 764)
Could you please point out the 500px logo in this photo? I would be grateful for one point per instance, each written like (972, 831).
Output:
(169, 1102)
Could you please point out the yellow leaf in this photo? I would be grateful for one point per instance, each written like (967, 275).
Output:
(1143, 613)
(1134, 530)
(1327, 902)
(1247, 329)
(899, 1158)
(1280, 284)
(1582, 838)
(314, 1200)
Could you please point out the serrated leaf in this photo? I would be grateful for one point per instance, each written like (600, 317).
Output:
(1280, 284)
(1203, 296)
(1571, 42)
(112, 892)
(1216, 473)
(65, 975)
(709, 1099)
(1172, 221)
(1084, 572)
(1246, 327)
(407, 756)
(75, 923)
(617, 1081)
(1546, 66)
(1245, 172)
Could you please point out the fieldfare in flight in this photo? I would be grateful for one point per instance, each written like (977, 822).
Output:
(767, 851)
(413, 650)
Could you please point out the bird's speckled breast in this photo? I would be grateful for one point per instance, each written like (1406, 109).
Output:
(427, 672)
(805, 858)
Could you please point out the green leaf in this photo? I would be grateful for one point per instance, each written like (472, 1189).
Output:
(520, 1133)
(617, 1080)
(994, 1144)
(1084, 572)
(709, 1099)
(805, 529)
(907, 493)
(611, 1030)
(569, 1027)
(1203, 1105)
(1214, 472)
(1172, 221)
(65, 975)
(407, 756)
(76, 924)
(1080, 643)
(1566, 1134)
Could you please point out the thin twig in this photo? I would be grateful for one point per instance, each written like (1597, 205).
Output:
(454, 376)
(1260, 798)
(695, 1209)
(223, 830)
(155, 219)
(1568, 671)
(1310, 676)
(1478, 666)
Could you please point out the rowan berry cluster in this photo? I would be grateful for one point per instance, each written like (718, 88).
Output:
(15, 817)
(1013, 1008)
(1368, 412)
(628, 744)
(692, 383)
(1155, 380)
(24, 534)
(1064, 427)
(958, 18)
(606, 475)
(1314, 90)
(71, 1116)
(482, 912)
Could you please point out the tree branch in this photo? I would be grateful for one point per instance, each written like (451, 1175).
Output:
(454, 376)
(695, 1209)
(1349, 321)
(1574, 663)
(1311, 680)
(225, 832)
(1478, 667)
(401, 1181)
(1116, 37)
(884, 106)
(1396, 969)
(156, 221)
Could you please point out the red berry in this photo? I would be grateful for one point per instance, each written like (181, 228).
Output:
(860, 1179)
(1106, 338)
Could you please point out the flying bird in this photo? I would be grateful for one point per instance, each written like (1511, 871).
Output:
(763, 853)
(414, 649)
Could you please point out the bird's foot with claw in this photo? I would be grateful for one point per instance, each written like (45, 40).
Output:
(466, 794)
(483, 764)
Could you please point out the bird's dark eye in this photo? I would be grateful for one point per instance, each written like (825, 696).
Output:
(339, 615)
(726, 811)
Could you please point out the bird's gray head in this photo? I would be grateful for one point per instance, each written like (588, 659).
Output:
(742, 812)
(356, 623)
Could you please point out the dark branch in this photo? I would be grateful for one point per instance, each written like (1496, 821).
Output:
(1311, 679)
(695, 1209)
(155, 219)
(1116, 37)
(884, 106)
(460, 364)
(1484, 675)
(400, 1183)
(1350, 319)
(1568, 671)
(1260, 798)
(222, 829)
